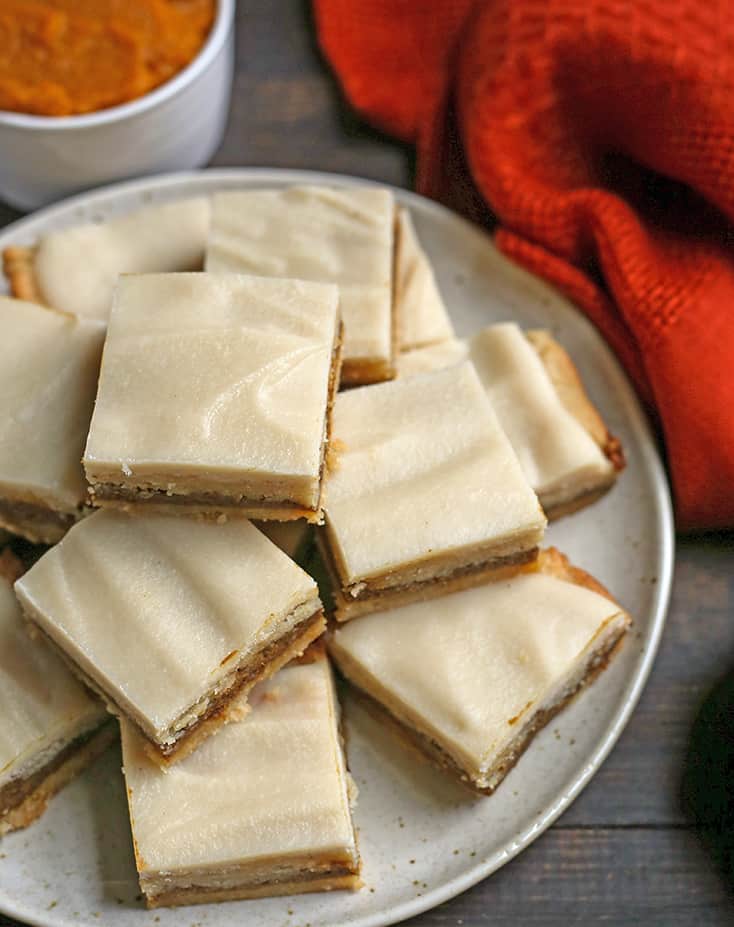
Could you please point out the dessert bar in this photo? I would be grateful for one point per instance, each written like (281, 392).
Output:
(169, 619)
(261, 809)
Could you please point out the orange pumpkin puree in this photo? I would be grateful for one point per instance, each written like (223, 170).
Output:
(64, 57)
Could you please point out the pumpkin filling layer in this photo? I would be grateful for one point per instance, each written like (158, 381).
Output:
(67, 57)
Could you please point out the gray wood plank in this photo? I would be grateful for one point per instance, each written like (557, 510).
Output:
(659, 878)
(640, 782)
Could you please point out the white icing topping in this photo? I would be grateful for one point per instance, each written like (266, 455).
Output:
(424, 469)
(553, 447)
(422, 316)
(269, 787)
(156, 609)
(432, 357)
(42, 706)
(556, 453)
(48, 377)
(470, 667)
(78, 267)
(342, 236)
(221, 375)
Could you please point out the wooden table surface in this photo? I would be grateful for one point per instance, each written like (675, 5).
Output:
(625, 852)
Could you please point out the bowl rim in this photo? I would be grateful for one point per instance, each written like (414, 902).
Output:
(207, 53)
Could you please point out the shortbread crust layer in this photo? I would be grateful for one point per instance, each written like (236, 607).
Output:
(205, 505)
(23, 800)
(369, 598)
(21, 277)
(324, 878)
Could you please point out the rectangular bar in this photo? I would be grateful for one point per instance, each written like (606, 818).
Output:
(171, 619)
(75, 269)
(261, 809)
(49, 363)
(341, 235)
(427, 496)
(50, 727)
(567, 453)
(472, 677)
(214, 396)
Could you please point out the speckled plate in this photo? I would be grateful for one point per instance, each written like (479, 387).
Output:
(422, 839)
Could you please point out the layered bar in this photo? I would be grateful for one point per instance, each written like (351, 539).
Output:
(567, 453)
(50, 727)
(471, 678)
(428, 496)
(421, 313)
(169, 619)
(49, 364)
(215, 395)
(261, 809)
(343, 236)
(75, 269)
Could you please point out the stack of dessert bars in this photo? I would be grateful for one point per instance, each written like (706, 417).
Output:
(174, 429)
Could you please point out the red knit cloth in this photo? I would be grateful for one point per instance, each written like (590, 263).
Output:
(601, 134)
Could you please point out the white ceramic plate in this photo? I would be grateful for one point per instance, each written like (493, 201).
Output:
(422, 840)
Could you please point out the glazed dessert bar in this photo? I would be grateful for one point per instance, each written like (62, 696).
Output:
(75, 269)
(49, 364)
(343, 236)
(50, 728)
(566, 451)
(214, 396)
(261, 809)
(524, 646)
(169, 618)
(420, 310)
(428, 496)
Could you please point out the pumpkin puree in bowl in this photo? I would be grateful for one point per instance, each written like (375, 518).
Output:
(67, 57)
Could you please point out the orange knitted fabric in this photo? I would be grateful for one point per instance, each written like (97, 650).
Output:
(601, 134)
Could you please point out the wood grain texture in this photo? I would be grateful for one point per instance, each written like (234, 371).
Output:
(625, 852)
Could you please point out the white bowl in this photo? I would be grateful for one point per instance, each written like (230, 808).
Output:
(177, 126)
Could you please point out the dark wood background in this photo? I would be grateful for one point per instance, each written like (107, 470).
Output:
(626, 852)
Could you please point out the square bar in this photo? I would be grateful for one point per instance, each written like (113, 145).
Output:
(427, 497)
(567, 453)
(214, 396)
(169, 619)
(343, 236)
(50, 727)
(75, 269)
(420, 309)
(261, 809)
(49, 363)
(471, 678)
